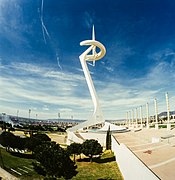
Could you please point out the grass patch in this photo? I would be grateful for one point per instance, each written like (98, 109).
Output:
(163, 126)
(103, 168)
(152, 126)
(19, 164)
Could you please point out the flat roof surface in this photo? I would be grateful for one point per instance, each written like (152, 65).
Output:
(160, 156)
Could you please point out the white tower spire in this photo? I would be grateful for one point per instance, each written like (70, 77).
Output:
(93, 32)
(94, 48)
(147, 115)
(168, 112)
(156, 113)
(141, 117)
(91, 55)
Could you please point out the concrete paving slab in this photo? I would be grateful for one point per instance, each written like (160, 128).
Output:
(159, 157)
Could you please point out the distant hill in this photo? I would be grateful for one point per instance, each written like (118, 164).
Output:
(65, 120)
(14, 120)
(165, 113)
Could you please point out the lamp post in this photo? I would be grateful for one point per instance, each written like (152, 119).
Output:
(133, 117)
(29, 113)
(141, 118)
(126, 118)
(168, 112)
(147, 115)
(58, 116)
(136, 118)
(129, 118)
(156, 113)
(17, 114)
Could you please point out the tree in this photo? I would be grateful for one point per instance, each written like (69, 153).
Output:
(108, 139)
(7, 139)
(5, 125)
(55, 161)
(91, 147)
(42, 137)
(60, 129)
(75, 149)
(20, 143)
(36, 140)
(32, 143)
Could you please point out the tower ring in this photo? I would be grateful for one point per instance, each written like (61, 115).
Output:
(95, 56)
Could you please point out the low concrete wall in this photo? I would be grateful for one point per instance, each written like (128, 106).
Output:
(130, 166)
(100, 137)
(6, 175)
(71, 137)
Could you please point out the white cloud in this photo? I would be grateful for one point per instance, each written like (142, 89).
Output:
(40, 85)
(11, 22)
(110, 69)
(65, 110)
(51, 91)
(45, 108)
(135, 92)
(88, 19)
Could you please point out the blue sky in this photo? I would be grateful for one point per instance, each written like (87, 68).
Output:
(39, 56)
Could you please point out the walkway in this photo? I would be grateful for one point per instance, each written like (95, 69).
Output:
(160, 156)
(6, 176)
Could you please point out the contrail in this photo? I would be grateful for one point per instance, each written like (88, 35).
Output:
(46, 33)
(58, 61)
(91, 64)
(44, 29)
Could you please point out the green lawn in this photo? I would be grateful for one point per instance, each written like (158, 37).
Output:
(104, 168)
(21, 165)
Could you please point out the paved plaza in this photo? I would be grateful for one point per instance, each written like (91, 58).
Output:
(4, 175)
(156, 148)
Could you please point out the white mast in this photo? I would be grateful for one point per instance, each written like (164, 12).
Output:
(147, 115)
(141, 118)
(168, 112)
(133, 117)
(136, 118)
(94, 48)
(156, 113)
(97, 116)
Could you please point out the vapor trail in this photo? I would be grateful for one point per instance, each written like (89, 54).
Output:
(46, 33)
(91, 64)
(58, 62)
(44, 29)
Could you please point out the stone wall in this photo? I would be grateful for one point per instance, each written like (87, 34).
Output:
(130, 166)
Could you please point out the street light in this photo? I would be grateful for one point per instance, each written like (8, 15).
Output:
(29, 113)
(17, 114)
(147, 115)
(58, 115)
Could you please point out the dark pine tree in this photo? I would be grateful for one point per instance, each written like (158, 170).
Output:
(108, 139)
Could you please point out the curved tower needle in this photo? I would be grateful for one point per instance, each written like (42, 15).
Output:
(97, 116)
